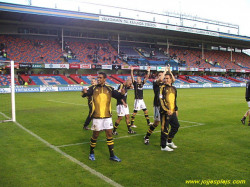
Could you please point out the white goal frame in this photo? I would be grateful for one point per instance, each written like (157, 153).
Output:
(12, 92)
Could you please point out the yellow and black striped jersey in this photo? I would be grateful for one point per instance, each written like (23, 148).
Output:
(167, 97)
(101, 100)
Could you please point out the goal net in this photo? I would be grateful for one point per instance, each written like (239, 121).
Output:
(7, 92)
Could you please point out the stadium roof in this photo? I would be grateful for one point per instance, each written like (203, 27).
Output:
(21, 14)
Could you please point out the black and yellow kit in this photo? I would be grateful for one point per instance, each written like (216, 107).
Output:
(101, 100)
(167, 96)
(156, 88)
(138, 89)
(119, 102)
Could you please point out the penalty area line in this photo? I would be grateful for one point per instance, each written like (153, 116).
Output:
(84, 166)
(128, 136)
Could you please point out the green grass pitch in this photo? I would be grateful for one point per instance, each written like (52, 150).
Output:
(212, 143)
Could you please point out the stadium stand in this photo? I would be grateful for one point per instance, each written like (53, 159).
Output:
(46, 79)
(5, 80)
(222, 79)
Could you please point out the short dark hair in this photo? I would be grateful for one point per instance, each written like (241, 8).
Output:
(103, 74)
(169, 75)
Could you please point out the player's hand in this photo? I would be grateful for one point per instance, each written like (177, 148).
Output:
(176, 113)
(125, 105)
(132, 68)
(169, 112)
(84, 90)
(123, 91)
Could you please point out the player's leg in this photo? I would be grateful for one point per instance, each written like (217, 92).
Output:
(164, 132)
(174, 129)
(108, 126)
(117, 122)
(93, 144)
(152, 127)
(243, 119)
(144, 108)
(88, 119)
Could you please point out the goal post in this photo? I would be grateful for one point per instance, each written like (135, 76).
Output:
(7, 92)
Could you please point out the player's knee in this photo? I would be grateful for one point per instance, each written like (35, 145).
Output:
(145, 109)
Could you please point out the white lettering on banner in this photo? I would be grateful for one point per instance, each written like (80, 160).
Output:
(157, 25)
(60, 66)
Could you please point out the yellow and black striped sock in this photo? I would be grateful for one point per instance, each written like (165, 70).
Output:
(150, 131)
(92, 145)
(110, 143)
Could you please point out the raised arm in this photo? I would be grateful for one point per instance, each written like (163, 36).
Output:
(147, 76)
(132, 74)
(169, 70)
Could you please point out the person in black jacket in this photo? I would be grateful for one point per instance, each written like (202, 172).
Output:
(169, 113)
(247, 96)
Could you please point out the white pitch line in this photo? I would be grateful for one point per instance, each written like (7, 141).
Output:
(84, 166)
(102, 140)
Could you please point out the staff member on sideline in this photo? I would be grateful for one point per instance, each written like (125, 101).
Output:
(247, 96)
(89, 118)
(101, 113)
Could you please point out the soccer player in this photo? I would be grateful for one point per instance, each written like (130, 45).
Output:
(139, 103)
(88, 119)
(101, 113)
(247, 96)
(169, 113)
(157, 83)
(122, 108)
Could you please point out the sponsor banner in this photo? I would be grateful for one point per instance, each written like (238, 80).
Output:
(194, 85)
(247, 71)
(70, 88)
(129, 22)
(136, 67)
(194, 69)
(16, 66)
(207, 69)
(85, 66)
(182, 69)
(57, 66)
(27, 89)
(74, 66)
(175, 68)
(107, 67)
(147, 86)
(201, 69)
(153, 68)
(184, 86)
(25, 65)
(116, 67)
(218, 85)
(37, 65)
(125, 67)
(96, 66)
(48, 88)
(193, 30)
(143, 67)
(218, 70)
(235, 85)
(4, 90)
(159, 68)
(207, 85)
